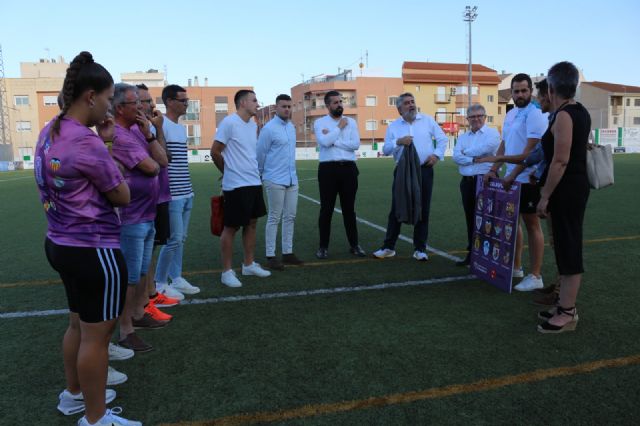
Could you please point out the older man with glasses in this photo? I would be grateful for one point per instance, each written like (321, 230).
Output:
(479, 141)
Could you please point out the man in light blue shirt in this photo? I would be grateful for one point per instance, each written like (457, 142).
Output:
(479, 141)
(338, 139)
(276, 153)
(420, 130)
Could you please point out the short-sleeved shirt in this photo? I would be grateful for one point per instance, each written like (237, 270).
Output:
(130, 148)
(175, 136)
(240, 162)
(73, 171)
(521, 124)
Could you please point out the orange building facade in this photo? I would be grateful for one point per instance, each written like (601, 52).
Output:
(368, 100)
(208, 105)
(441, 91)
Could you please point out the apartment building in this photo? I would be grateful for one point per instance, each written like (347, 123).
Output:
(611, 105)
(368, 100)
(32, 102)
(441, 90)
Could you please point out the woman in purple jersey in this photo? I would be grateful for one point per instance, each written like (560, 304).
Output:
(79, 186)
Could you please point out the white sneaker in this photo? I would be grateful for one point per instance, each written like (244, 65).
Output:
(169, 291)
(518, 273)
(119, 353)
(73, 404)
(255, 269)
(229, 279)
(384, 252)
(529, 283)
(184, 286)
(110, 419)
(114, 377)
(420, 255)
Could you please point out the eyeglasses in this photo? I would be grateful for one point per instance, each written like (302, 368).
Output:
(184, 101)
(146, 101)
(476, 117)
(130, 103)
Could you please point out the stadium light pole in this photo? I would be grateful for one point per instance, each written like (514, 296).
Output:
(470, 15)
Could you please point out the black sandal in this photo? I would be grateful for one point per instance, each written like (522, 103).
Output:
(545, 327)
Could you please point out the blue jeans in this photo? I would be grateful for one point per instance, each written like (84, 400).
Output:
(136, 244)
(170, 257)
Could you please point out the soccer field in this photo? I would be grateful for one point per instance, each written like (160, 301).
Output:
(345, 341)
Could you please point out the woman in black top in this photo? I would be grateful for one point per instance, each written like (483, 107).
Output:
(566, 191)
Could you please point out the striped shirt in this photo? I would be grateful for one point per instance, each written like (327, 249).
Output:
(179, 178)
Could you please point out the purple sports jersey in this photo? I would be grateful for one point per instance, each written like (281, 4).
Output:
(72, 172)
(130, 148)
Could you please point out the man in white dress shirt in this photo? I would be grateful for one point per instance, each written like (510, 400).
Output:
(420, 130)
(479, 141)
(338, 139)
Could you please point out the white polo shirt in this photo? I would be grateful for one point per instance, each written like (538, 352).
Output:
(239, 154)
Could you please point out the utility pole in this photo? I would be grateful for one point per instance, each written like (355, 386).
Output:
(470, 14)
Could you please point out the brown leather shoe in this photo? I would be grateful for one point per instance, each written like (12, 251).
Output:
(291, 259)
(147, 322)
(135, 343)
(274, 264)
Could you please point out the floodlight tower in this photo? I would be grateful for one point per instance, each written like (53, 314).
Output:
(5, 133)
(470, 14)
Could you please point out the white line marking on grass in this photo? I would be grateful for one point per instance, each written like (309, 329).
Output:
(18, 178)
(380, 228)
(268, 296)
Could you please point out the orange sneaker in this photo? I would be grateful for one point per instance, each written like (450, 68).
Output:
(164, 301)
(156, 313)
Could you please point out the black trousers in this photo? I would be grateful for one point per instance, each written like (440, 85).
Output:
(421, 229)
(468, 193)
(338, 178)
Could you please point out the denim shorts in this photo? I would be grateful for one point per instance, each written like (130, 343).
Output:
(136, 243)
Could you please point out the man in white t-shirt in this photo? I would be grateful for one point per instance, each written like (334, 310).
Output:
(523, 128)
(234, 154)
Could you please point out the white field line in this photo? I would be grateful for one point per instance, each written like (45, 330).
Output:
(18, 178)
(380, 228)
(268, 296)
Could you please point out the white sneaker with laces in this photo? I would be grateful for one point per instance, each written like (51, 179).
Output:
(114, 377)
(111, 419)
(73, 404)
(169, 291)
(383, 253)
(255, 269)
(184, 286)
(119, 353)
(529, 283)
(518, 273)
(229, 279)
(420, 255)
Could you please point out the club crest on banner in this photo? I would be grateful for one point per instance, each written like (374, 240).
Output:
(478, 222)
(508, 230)
(496, 251)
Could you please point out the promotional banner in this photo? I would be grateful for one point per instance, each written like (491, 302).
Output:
(494, 234)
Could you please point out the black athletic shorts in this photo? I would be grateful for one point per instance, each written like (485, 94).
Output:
(162, 224)
(243, 204)
(95, 279)
(529, 198)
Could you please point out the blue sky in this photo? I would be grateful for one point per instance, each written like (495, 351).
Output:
(270, 44)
